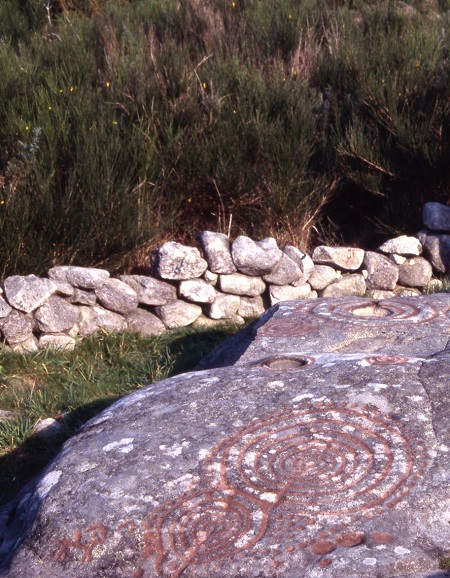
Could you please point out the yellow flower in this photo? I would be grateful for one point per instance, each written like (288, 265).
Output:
(2, 202)
(115, 122)
(60, 91)
(204, 85)
(50, 108)
(27, 128)
(233, 5)
(107, 84)
(71, 89)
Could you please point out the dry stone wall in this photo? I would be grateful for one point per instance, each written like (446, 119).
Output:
(221, 283)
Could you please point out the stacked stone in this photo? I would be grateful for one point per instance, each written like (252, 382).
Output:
(226, 283)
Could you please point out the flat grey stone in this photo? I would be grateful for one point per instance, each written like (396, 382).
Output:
(117, 296)
(239, 284)
(177, 262)
(279, 470)
(217, 250)
(197, 291)
(255, 258)
(382, 273)
(436, 217)
(150, 291)
(4, 308)
(145, 323)
(403, 245)
(26, 293)
(56, 315)
(63, 288)
(346, 258)
(81, 297)
(178, 313)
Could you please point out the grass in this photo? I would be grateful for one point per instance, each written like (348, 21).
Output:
(72, 387)
(126, 123)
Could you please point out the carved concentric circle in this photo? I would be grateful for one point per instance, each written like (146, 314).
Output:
(372, 312)
(325, 460)
(211, 524)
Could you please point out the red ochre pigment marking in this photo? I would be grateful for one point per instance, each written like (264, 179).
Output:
(290, 327)
(320, 466)
(98, 536)
(382, 538)
(325, 562)
(385, 359)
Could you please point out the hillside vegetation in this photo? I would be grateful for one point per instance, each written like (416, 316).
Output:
(125, 123)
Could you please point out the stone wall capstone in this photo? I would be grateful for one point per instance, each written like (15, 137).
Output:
(220, 282)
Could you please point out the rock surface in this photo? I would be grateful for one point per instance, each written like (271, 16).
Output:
(323, 451)
(27, 293)
(382, 273)
(255, 258)
(217, 249)
(403, 245)
(437, 249)
(177, 262)
(346, 258)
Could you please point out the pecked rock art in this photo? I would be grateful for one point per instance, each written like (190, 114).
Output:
(291, 465)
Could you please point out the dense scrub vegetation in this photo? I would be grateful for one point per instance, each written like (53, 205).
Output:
(126, 122)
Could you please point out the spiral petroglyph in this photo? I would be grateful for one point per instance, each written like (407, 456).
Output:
(321, 460)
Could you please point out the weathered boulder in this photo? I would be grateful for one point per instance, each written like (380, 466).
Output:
(95, 318)
(415, 272)
(436, 217)
(379, 294)
(206, 322)
(302, 260)
(397, 259)
(287, 272)
(217, 250)
(239, 284)
(403, 245)
(348, 285)
(145, 323)
(211, 278)
(178, 313)
(346, 258)
(47, 428)
(293, 467)
(436, 249)
(17, 327)
(322, 276)
(56, 315)
(27, 293)
(197, 290)
(150, 291)
(82, 277)
(63, 288)
(117, 296)
(382, 273)
(224, 307)
(289, 293)
(255, 258)
(176, 261)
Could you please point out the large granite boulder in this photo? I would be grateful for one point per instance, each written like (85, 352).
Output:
(151, 291)
(437, 250)
(382, 273)
(82, 277)
(403, 245)
(323, 451)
